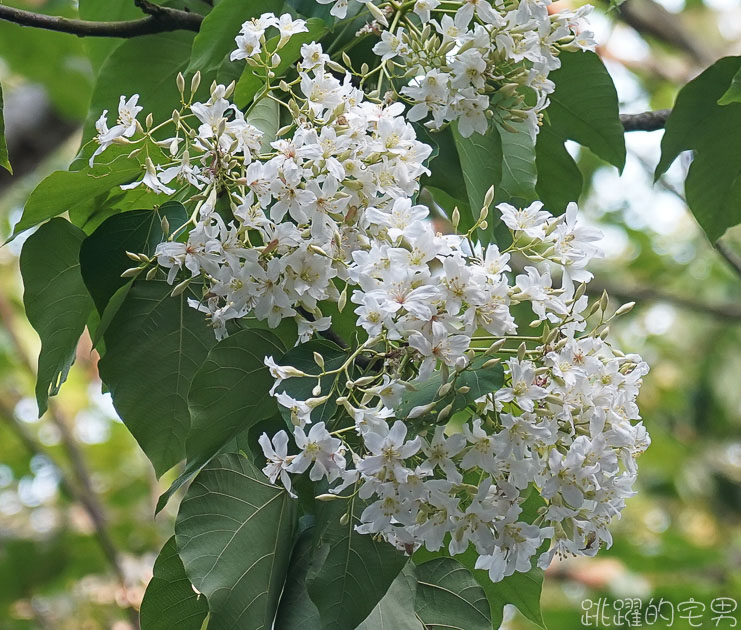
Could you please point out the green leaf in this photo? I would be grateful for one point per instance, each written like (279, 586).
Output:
(215, 39)
(63, 191)
(230, 391)
(56, 301)
(559, 179)
(170, 601)
(584, 106)
(103, 253)
(146, 66)
(448, 596)
(234, 533)
(713, 133)
(4, 161)
(480, 380)
(154, 346)
(252, 80)
(396, 610)
(350, 572)
(733, 93)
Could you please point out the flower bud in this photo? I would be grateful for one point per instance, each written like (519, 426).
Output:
(195, 82)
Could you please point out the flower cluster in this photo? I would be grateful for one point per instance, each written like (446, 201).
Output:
(449, 424)
(469, 60)
(561, 425)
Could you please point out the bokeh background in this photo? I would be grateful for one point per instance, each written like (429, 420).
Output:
(77, 533)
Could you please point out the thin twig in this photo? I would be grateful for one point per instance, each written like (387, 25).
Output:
(159, 20)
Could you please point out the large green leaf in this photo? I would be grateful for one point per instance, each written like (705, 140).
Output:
(230, 392)
(350, 572)
(396, 610)
(146, 66)
(103, 253)
(4, 161)
(215, 39)
(449, 597)
(57, 303)
(583, 108)
(62, 191)
(713, 132)
(154, 346)
(234, 533)
(170, 601)
(252, 79)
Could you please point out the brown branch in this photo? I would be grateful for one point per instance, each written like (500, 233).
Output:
(159, 20)
(646, 121)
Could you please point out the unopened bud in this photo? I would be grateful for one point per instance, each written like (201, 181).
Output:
(151, 273)
(604, 334)
(344, 519)
(165, 225)
(495, 347)
(346, 59)
(131, 272)
(625, 308)
(180, 81)
(195, 82)
(444, 389)
(317, 389)
(604, 301)
(377, 13)
(456, 217)
(445, 412)
(488, 199)
(420, 410)
(327, 497)
(179, 288)
(521, 351)
(464, 389)
(491, 362)
(319, 360)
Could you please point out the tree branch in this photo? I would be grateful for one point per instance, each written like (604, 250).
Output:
(646, 121)
(160, 20)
